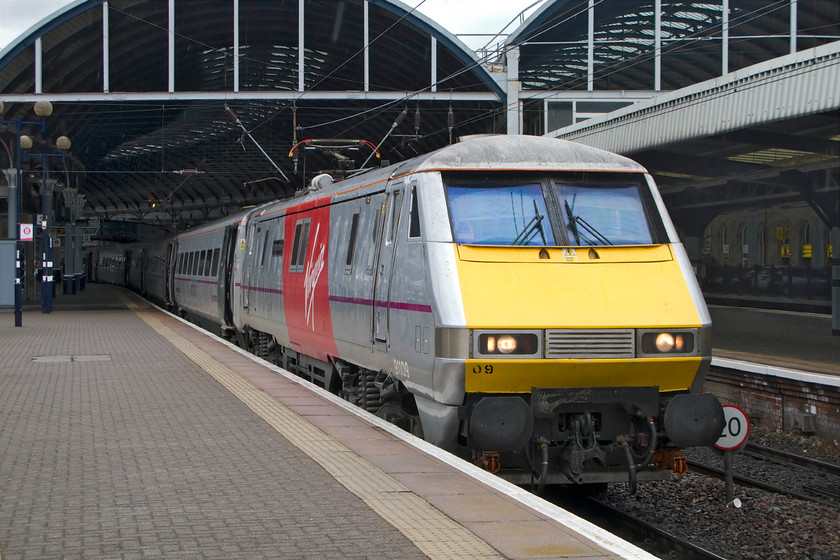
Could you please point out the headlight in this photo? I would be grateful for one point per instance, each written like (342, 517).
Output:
(501, 343)
(668, 342)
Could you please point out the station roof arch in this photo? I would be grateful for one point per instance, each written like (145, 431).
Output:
(191, 107)
(728, 108)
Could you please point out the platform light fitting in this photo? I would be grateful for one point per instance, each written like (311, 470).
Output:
(43, 108)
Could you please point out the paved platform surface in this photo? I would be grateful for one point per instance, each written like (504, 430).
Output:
(785, 339)
(126, 433)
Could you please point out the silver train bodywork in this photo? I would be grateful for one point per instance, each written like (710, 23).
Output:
(443, 294)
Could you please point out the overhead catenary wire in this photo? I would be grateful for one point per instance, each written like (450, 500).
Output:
(257, 144)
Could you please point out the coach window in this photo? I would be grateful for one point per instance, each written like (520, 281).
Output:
(266, 249)
(395, 216)
(413, 216)
(190, 270)
(351, 244)
(208, 263)
(214, 268)
(299, 245)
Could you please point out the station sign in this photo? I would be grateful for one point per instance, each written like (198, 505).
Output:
(27, 232)
(736, 428)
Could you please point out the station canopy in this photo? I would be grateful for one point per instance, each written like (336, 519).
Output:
(179, 111)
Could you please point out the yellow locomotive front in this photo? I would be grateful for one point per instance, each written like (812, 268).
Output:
(588, 334)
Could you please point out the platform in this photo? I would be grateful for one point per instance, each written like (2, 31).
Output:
(785, 343)
(129, 433)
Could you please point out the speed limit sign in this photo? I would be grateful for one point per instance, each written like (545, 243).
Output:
(735, 429)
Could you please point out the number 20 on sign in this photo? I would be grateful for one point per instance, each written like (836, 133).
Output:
(735, 429)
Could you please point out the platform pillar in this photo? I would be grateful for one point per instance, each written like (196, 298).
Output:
(514, 87)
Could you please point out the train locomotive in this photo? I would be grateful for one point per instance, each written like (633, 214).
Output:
(521, 301)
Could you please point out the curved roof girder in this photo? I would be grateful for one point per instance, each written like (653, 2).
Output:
(663, 45)
(443, 37)
(119, 130)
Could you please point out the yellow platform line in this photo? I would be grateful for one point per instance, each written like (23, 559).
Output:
(433, 532)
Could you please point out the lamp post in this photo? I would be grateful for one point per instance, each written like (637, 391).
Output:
(42, 109)
(47, 284)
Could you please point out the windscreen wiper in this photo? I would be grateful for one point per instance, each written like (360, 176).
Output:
(533, 225)
(575, 221)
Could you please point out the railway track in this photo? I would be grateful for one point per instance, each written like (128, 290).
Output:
(830, 490)
(799, 477)
(631, 528)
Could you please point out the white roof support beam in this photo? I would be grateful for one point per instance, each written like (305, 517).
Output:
(171, 58)
(657, 50)
(301, 57)
(106, 48)
(39, 66)
(250, 95)
(724, 62)
(514, 90)
(235, 45)
(590, 47)
(434, 64)
(367, 44)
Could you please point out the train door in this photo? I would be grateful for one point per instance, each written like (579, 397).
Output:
(225, 274)
(172, 258)
(127, 269)
(144, 262)
(248, 265)
(389, 222)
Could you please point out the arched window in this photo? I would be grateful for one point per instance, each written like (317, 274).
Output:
(761, 245)
(744, 239)
(783, 243)
(724, 242)
(806, 238)
(707, 241)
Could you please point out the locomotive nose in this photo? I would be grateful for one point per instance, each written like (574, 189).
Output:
(694, 420)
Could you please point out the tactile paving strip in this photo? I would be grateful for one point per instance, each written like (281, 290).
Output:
(428, 528)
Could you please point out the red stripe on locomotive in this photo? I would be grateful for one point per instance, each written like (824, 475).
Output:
(306, 288)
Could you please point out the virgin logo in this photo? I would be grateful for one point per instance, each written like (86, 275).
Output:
(312, 273)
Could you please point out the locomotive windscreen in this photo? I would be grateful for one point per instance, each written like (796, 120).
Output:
(500, 215)
(562, 210)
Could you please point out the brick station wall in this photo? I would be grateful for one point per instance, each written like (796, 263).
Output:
(778, 403)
